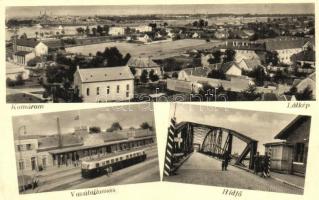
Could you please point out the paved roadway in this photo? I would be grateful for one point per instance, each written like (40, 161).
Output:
(204, 170)
(70, 177)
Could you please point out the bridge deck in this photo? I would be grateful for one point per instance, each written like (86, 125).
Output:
(204, 170)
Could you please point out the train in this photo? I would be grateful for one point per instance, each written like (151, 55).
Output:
(92, 168)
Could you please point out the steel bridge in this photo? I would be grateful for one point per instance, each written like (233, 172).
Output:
(211, 140)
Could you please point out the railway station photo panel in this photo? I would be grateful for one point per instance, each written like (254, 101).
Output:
(235, 148)
(86, 148)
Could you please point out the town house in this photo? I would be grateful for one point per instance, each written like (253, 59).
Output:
(104, 84)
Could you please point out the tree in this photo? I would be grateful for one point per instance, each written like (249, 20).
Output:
(201, 23)
(87, 30)
(305, 95)
(116, 126)
(94, 31)
(80, 30)
(144, 76)
(217, 56)
(33, 62)
(145, 125)
(106, 29)
(165, 76)
(195, 23)
(250, 93)
(271, 57)
(229, 55)
(153, 76)
(20, 80)
(259, 74)
(133, 70)
(216, 74)
(94, 129)
(99, 30)
(24, 36)
(175, 75)
(206, 92)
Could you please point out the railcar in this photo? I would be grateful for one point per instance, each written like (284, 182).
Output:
(91, 168)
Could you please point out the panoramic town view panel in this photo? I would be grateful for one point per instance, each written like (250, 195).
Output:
(247, 52)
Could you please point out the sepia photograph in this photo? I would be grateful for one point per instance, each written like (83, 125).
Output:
(160, 53)
(85, 148)
(235, 148)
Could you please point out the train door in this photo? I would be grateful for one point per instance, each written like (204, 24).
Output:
(108, 149)
(33, 163)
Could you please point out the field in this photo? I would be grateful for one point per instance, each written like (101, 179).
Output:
(158, 50)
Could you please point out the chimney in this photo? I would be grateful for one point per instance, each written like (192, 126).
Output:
(59, 132)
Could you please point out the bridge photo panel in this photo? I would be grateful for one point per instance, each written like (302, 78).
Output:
(235, 148)
(85, 148)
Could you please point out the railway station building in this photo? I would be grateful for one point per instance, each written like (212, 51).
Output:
(36, 153)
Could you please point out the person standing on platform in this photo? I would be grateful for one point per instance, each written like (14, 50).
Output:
(256, 163)
(225, 161)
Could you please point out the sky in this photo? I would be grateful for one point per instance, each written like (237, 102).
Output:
(46, 123)
(31, 11)
(261, 126)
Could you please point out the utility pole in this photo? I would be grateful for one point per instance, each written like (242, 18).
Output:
(59, 132)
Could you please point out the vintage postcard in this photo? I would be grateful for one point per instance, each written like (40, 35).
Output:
(237, 149)
(121, 53)
(85, 148)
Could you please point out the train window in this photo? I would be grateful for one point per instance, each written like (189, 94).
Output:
(127, 156)
(112, 161)
(116, 159)
(107, 162)
(97, 165)
(104, 163)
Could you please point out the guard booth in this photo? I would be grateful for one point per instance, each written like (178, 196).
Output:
(280, 155)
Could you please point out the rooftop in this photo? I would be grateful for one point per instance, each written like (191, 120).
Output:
(144, 62)
(105, 74)
(198, 71)
(285, 132)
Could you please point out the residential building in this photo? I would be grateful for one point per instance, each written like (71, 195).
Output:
(104, 84)
(13, 71)
(244, 49)
(117, 31)
(249, 64)
(144, 63)
(305, 57)
(287, 46)
(228, 68)
(309, 81)
(23, 57)
(143, 29)
(145, 38)
(39, 48)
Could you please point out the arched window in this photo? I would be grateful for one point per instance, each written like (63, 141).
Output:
(87, 91)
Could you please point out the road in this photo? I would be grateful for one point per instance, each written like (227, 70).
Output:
(204, 170)
(70, 177)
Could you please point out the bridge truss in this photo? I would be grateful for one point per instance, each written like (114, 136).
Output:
(180, 144)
